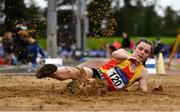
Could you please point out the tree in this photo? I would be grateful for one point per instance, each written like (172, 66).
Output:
(130, 18)
(36, 20)
(100, 13)
(66, 24)
(139, 17)
(170, 20)
(66, 27)
(15, 11)
(152, 22)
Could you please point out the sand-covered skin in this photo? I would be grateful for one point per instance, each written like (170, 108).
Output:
(24, 93)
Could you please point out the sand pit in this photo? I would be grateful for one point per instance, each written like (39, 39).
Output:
(26, 93)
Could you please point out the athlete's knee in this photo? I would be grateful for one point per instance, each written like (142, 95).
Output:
(80, 73)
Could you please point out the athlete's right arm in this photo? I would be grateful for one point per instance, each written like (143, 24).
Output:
(122, 54)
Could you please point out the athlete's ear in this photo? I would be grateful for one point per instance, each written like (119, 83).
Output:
(134, 48)
(150, 55)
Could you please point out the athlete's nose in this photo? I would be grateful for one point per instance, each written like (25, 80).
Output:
(142, 51)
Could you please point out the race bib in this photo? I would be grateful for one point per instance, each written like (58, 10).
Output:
(118, 77)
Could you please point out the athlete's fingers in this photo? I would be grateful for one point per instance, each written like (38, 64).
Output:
(134, 60)
(157, 88)
(137, 62)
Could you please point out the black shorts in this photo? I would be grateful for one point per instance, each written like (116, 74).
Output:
(95, 73)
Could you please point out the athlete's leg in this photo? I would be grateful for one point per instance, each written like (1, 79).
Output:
(77, 73)
(63, 73)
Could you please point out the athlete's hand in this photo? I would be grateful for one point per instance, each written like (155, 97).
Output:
(134, 60)
(157, 88)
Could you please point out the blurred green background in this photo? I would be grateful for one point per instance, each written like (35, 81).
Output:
(94, 43)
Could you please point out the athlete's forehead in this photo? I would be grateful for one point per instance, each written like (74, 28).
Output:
(144, 45)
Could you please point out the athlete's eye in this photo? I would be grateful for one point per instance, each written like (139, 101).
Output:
(147, 51)
(140, 48)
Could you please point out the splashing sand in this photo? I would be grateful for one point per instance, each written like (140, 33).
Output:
(87, 88)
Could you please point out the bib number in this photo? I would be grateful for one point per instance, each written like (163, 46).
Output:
(116, 78)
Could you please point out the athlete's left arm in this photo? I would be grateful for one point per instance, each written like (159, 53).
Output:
(143, 80)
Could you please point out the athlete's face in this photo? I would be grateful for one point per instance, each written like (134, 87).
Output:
(142, 51)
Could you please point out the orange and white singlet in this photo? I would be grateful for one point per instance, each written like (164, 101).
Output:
(118, 73)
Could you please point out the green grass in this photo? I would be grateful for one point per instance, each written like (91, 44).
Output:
(43, 43)
(96, 43)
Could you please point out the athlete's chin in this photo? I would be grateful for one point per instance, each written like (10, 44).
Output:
(141, 60)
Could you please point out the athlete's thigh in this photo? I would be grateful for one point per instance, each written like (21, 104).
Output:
(89, 72)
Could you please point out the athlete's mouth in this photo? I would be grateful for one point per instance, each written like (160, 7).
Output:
(141, 57)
